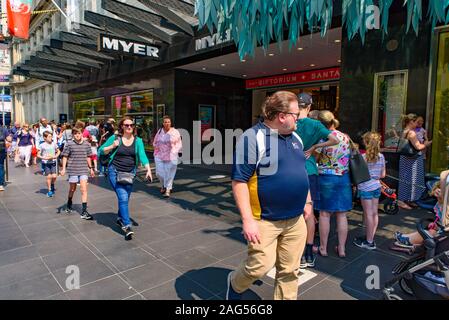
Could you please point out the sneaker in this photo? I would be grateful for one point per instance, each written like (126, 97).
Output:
(2, 188)
(167, 194)
(50, 194)
(361, 242)
(101, 174)
(128, 233)
(402, 241)
(119, 222)
(310, 260)
(230, 293)
(86, 216)
(303, 263)
(68, 209)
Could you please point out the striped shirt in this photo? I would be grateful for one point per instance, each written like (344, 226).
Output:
(375, 170)
(77, 154)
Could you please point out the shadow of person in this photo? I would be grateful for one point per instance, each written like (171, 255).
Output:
(108, 219)
(207, 283)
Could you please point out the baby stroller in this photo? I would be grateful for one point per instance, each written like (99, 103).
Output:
(426, 276)
(388, 199)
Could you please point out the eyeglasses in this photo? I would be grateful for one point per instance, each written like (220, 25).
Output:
(296, 115)
(129, 125)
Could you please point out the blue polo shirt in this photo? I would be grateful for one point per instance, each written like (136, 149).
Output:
(273, 166)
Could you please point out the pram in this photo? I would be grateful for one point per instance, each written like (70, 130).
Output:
(426, 276)
(388, 199)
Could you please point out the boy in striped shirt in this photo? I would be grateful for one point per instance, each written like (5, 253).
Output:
(77, 155)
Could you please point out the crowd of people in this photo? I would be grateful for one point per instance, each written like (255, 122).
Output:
(281, 210)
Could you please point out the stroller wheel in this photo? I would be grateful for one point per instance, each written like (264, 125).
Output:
(391, 207)
(405, 287)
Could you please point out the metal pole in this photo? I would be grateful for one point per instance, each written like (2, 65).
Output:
(3, 106)
(59, 8)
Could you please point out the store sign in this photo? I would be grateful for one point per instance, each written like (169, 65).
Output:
(119, 45)
(294, 78)
(211, 41)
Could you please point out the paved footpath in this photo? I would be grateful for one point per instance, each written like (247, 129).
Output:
(183, 247)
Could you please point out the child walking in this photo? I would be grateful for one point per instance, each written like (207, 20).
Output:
(77, 155)
(369, 192)
(48, 151)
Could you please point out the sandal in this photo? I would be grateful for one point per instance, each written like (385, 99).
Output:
(322, 253)
(401, 240)
(338, 253)
(404, 206)
(163, 190)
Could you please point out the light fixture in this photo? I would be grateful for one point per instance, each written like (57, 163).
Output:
(284, 69)
(204, 68)
(339, 61)
(337, 40)
(223, 64)
(271, 54)
(243, 60)
(300, 49)
(244, 75)
(312, 65)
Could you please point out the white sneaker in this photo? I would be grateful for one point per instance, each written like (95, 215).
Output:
(2, 188)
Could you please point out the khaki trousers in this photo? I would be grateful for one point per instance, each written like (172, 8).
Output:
(282, 245)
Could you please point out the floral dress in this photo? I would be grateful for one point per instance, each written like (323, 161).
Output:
(334, 160)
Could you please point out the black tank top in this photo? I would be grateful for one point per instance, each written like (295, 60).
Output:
(125, 158)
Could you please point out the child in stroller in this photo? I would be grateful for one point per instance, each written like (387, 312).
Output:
(441, 192)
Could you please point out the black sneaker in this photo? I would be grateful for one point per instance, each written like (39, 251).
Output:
(303, 263)
(128, 233)
(86, 216)
(361, 242)
(68, 209)
(310, 260)
(119, 222)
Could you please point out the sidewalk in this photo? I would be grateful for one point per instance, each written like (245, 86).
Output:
(183, 248)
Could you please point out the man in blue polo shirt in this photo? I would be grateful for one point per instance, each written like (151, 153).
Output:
(270, 187)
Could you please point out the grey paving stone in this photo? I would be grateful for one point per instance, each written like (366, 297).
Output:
(191, 259)
(135, 297)
(154, 222)
(112, 288)
(148, 235)
(127, 259)
(36, 288)
(69, 257)
(114, 245)
(213, 278)
(32, 218)
(181, 288)
(58, 296)
(16, 272)
(51, 247)
(328, 290)
(184, 227)
(150, 275)
(52, 235)
(89, 272)
(14, 242)
(182, 243)
(8, 232)
(222, 249)
(18, 255)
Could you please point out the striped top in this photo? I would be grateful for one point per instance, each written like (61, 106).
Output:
(375, 170)
(77, 154)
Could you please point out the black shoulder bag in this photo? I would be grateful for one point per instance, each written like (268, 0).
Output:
(405, 148)
(358, 168)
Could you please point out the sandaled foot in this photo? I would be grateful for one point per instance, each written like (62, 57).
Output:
(340, 253)
(322, 252)
(404, 206)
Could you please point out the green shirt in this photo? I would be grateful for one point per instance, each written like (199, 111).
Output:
(141, 156)
(311, 132)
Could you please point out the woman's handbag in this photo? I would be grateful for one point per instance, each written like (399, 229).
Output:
(34, 151)
(358, 168)
(405, 148)
(125, 177)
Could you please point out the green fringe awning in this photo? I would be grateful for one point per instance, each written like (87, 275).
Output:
(258, 22)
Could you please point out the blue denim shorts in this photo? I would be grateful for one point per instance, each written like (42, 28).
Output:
(314, 186)
(335, 193)
(367, 195)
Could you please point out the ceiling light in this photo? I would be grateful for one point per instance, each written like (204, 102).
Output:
(339, 61)
(243, 60)
(223, 64)
(244, 75)
(312, 65)
(284, 69)
(271, 54)
(337, 40)
(300, 49)
(204, 68)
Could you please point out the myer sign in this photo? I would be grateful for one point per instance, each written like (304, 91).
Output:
(211, 41)
(119, 45)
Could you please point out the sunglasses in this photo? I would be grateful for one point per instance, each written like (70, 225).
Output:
(129, 125)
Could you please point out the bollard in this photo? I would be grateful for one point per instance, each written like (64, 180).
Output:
(6, 171)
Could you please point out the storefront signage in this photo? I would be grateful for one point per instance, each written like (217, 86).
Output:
(123, 46)
(294, 78)
(211, 41)
(207, 118)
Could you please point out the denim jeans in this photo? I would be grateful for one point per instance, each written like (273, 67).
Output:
(2, 168)
(123, 193)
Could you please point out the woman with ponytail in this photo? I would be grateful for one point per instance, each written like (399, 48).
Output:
(411, 169)
(335, 191)
(369, 192)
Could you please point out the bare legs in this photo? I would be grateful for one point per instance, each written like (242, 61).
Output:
(342, 230)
